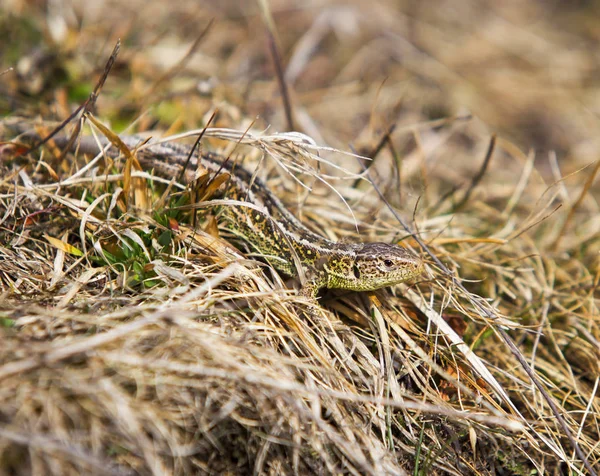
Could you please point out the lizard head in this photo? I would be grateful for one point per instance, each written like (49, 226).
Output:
(374, 266)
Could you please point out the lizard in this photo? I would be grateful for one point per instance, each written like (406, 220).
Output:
(265, 224)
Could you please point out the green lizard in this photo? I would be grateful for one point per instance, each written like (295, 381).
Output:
(265, 224)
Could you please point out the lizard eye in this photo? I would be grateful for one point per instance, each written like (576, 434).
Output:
(388, 262)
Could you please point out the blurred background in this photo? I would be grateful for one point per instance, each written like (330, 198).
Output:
(527, 70)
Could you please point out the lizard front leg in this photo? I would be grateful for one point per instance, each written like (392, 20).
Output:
(310, 288)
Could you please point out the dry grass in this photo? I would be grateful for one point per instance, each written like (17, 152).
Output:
(136, 339)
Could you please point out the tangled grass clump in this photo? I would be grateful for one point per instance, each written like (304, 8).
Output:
(137, 338)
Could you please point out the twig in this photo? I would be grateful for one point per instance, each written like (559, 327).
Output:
(196, 142)
(274, 50)
(177, 67)
(477, 178)
(385, 139)
(88, 105)
(584, 191)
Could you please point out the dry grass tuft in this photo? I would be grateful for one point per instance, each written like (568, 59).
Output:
(137, 339)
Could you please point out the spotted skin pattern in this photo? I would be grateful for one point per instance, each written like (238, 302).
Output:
(265, 224)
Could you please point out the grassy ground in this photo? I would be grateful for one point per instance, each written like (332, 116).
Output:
(136, 339)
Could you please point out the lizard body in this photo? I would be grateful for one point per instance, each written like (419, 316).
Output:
(266, 225)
